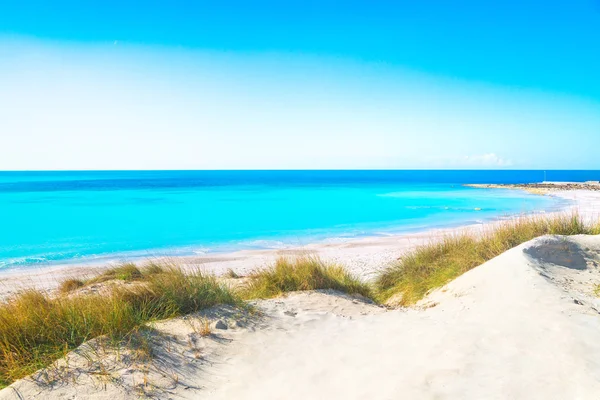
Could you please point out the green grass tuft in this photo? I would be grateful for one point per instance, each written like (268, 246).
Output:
(303, 273)
(433, 265)
(36, 329)
(125, 272)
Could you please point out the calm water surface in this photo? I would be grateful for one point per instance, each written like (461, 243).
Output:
(56, 217)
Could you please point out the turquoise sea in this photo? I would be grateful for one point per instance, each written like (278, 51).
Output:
(63, 217)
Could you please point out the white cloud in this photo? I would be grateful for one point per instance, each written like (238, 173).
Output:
(486, 160)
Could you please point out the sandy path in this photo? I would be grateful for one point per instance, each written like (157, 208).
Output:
(524, 325)
(501, 331)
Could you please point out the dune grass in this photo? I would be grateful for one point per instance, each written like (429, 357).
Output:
(302, 273)
(435, 264)
(231, 274)
(126, 272)
(36, 329)
(70, 285)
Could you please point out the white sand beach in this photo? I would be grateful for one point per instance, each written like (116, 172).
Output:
(522, 326)
(365, 200)
(501, 331)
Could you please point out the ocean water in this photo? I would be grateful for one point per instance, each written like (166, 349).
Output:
(62, 217)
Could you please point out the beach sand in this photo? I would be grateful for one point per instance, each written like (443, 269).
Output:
(522, 326)
(501, 331)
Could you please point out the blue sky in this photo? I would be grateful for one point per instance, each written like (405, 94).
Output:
(327, 84)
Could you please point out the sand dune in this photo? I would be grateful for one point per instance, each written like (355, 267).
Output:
(522, 326)
(501, 331)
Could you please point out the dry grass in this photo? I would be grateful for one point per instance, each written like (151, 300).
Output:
(152, 267)
(36, 329)
(231, 274)
(201, 326)
(125, 272)
(433, 265)
(70, 285)
(302, 273)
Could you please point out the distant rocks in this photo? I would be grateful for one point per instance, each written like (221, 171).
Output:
(543, 187)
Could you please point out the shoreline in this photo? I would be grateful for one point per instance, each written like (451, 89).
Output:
(542, 188)
(362, 256)
(468, 331)
(290, 241)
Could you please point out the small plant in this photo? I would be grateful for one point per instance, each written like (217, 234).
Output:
(231, 274)
(201, 326)
(70, 285)
(204, 329)
(303, 273)
(140, 343)
(125, 272)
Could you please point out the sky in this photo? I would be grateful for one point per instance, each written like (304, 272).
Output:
(299, 84)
